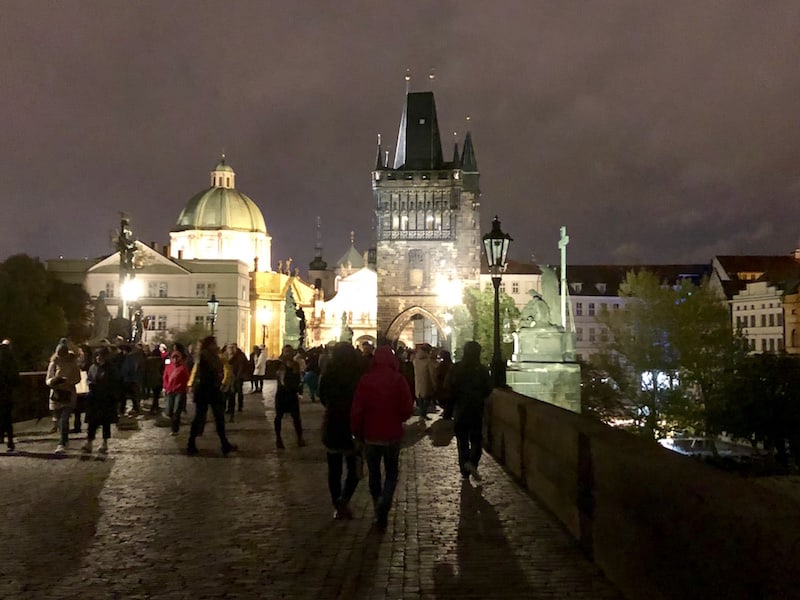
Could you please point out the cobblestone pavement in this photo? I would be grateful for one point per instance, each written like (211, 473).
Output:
(149, 521)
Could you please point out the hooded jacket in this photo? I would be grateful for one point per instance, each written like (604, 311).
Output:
(382, 401)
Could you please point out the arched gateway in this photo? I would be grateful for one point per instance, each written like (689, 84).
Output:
(402, 328)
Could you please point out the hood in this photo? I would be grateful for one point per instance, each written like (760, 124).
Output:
(472, 353)
(384, 357)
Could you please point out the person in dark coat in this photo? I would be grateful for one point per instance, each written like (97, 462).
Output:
(336, 389)
(208, 393)
(287, 396)
(105, 392)
(469, 385)
(381, 405)
(153, 377)
(9, 379)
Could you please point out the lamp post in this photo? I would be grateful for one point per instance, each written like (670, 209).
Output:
(496, 244)
(130, 292)
(264, 315)
(213, 308)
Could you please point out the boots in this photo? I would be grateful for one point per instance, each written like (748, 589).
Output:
(279, 442)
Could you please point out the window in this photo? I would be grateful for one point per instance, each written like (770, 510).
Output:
(579, 309)
(780, 319)
(203, 321)
(211, 288)
(763, 345)
(109, 289)
(592, 337)
(604, 335)
(763, 320)
(752, 345)
(577, 287)
(157, 289)
(579, 334)
(616, 305)
(503, 286)
(772, 319)
(780, 344)
(591, 309)
(150, 322)
(416, 268)
(161, 323)
(601, 287)
(200, 290)
(771, 344)
(162, 289)
(515, 287)
(752, 320)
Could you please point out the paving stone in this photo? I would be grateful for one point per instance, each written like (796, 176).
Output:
(151, 522)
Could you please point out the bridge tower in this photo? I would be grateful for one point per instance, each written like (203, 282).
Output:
(427, 225)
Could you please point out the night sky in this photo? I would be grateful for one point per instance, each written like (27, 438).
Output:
(656, 131)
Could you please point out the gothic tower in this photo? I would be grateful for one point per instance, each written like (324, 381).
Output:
(427, 224)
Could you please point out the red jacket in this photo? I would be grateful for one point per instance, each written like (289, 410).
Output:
(382, 401)
(176, 376)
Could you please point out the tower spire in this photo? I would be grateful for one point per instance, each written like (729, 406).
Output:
(456, 158)
(379, 158)
(468, 161)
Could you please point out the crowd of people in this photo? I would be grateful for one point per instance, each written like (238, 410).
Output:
(368, 395)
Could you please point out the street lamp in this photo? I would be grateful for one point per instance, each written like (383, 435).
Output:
(130, 290)
(496, 244)
(264, 314)
(213, 308)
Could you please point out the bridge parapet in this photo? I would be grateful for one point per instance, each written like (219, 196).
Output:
(658, 524)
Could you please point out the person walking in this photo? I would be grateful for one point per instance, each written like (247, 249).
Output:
(63, 373)
(424, 379)
(287, 396)
(240, 367)
(154, 377)
(469, 385)
(336, 390)
(105, 391)
(444, 364)
(9, 379)
(381, 404)
(260, 369)
(207, 393)
(175, 383)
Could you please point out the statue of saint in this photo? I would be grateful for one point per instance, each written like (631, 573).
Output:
(102, 318)
(536, 313)
(550, 295)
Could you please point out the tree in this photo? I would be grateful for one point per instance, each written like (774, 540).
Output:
(28, 314)
(668, 350)
(480, 304)
(75, 302)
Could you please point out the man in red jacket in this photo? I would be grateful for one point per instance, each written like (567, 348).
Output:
(381, 405)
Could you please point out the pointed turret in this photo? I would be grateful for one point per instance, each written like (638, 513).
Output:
(468, 161)
(456, 157)
(379, 158)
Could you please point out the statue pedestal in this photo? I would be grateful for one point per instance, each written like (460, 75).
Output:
(543, 367)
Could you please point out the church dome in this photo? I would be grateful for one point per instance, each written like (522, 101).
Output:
(221, 206)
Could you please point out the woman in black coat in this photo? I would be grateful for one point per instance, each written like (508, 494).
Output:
(206, 386)
(336, 389)
(105, 393)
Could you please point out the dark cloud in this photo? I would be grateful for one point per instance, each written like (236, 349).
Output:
(655, 131)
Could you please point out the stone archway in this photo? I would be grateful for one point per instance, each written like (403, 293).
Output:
(402, 320)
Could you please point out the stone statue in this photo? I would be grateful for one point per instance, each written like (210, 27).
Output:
(550, 294)
(536, 313)
(102, 318)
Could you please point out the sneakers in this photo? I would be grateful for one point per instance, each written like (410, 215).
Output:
(229, 448)
(472, 470)
(60, 449)
(87, 448)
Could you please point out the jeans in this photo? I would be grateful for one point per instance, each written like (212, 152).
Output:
(238, 392)
(381, 487)
(335, 477)
(176, 401)
(62, 416)
(298, 423)
(469, 437)
(92, 431)
(200, 412)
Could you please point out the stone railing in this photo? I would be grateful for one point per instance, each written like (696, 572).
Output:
(658, 524)
(31, 397)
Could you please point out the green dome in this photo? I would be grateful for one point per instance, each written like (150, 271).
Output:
(221, 208)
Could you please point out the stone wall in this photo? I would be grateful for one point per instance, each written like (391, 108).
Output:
(658, 524)
(31, 397)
